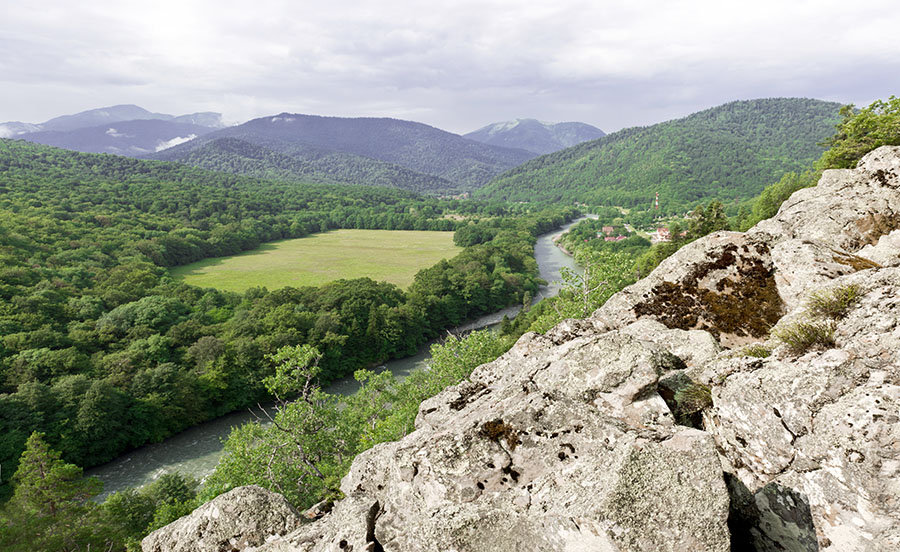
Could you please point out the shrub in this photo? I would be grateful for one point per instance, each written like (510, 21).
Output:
(804, 335)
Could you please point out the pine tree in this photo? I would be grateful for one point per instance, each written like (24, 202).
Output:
(50, 508)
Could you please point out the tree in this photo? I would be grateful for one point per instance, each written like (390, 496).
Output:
(859, 132)
(50, 508)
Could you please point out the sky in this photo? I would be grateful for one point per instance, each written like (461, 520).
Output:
(456, 64)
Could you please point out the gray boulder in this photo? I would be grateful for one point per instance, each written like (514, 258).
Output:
(240, 520)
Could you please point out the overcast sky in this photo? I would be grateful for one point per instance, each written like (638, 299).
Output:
(457, 65)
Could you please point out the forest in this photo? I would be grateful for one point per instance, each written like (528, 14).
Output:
(102, 351)
(730, 152)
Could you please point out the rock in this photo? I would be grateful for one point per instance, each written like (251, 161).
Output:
(568, 447)
(241, 519)
(821, 432)
(848, 209)
(884, 252)
(723, 284)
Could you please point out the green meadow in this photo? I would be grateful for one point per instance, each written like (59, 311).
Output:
(384, 255)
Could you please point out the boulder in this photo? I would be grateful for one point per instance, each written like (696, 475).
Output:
(240, 520)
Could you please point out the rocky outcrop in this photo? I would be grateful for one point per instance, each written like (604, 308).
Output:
(580, 439)
(240, 520)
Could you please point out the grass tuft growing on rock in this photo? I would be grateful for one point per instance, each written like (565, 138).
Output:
(756, 350)
(834, 303)
(805, 335)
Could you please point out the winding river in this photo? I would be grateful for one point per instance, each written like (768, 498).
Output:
(196, 451)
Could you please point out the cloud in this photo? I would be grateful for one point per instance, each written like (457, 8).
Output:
(174, 142)
(457, 65)
(115, 133)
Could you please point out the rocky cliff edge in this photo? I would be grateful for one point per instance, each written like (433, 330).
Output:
(671, 419)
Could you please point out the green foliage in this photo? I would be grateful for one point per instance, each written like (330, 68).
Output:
(861, 131)
(50, 508)
(804, 335)
(310, 442)
(729, 153)
(834, 302)
(756, 350)
(102, 351)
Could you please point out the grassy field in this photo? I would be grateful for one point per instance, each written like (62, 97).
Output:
(384, 255)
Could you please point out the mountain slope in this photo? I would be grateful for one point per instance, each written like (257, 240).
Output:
(236, 156)
(535, 136)
(415, 146)
(728, 152)
(132, 138)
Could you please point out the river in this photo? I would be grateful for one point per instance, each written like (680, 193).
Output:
(196, 451)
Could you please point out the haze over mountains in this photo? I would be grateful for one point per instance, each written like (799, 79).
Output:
(538, 137)
(360, 150)
(121, 129)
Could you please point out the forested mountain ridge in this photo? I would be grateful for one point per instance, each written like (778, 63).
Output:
(728, 152)
(415, 146)
(535, 136)
(236, 156)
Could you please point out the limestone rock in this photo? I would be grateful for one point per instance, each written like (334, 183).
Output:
(566, 448)
(822, 431)
(723, 284)
(239, 520)
(848, 209)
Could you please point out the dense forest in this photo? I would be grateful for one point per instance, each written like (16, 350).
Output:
(102, 351)
(727, 152)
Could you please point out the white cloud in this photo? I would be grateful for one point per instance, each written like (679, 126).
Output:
(458, 65)
(115, 133)
(174, 142)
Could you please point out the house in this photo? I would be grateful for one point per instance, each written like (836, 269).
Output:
(608, 230)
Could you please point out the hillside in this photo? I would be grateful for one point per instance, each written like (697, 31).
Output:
(236, 156)
(308, 139)
(728, 152)
(535, 136)
(105, 116)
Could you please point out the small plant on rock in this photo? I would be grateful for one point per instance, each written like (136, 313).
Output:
(805, 335)
(757, 350)
(834, 303)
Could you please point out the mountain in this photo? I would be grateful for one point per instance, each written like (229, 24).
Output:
(131, 138)
(370, 143)
(728, 152)
(535, 136)
(136, 131)
(236, 156)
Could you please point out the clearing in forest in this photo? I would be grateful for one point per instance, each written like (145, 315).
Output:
(384, 255)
